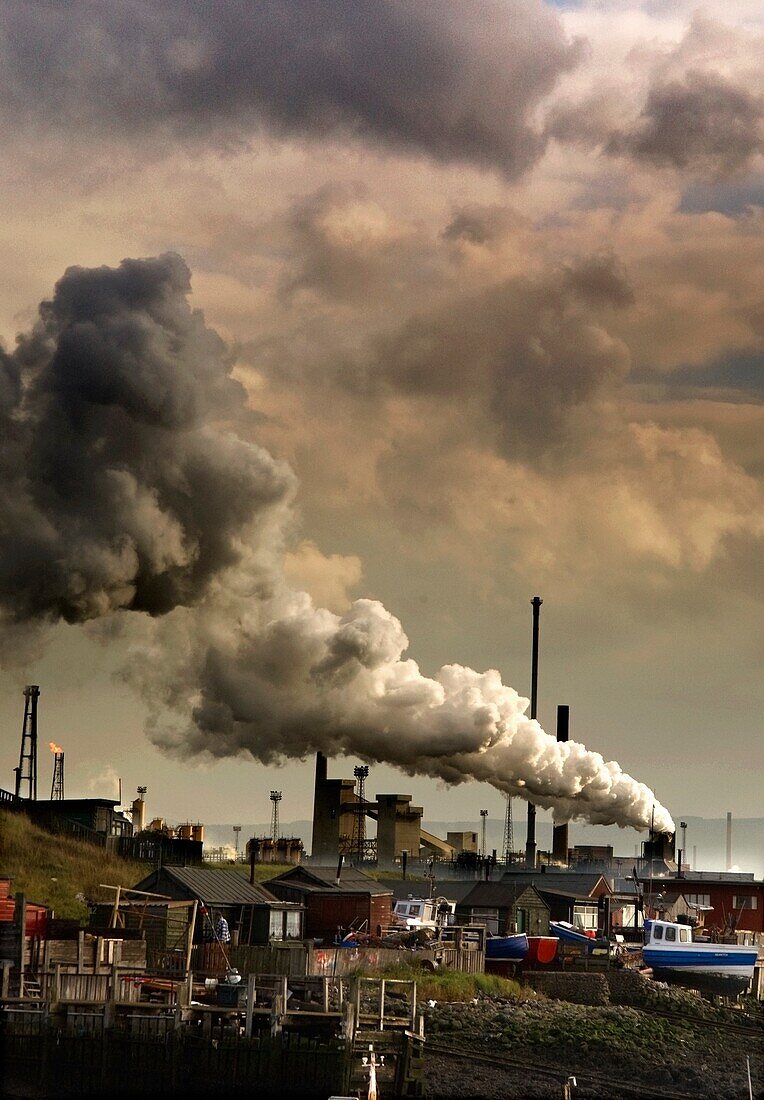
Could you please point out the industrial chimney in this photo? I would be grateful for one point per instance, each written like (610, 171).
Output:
(560, 832)
(729, 841)
(530, 839)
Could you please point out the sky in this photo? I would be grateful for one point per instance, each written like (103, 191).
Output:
(476, 314)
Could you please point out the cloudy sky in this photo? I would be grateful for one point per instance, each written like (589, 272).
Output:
(486, 279)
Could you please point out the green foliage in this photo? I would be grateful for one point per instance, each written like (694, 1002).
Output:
(52, 869)
(453, 985)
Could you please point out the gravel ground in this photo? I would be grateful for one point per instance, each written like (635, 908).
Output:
(627, 1044)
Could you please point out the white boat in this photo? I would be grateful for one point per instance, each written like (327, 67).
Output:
(670, 950)
(425, 912)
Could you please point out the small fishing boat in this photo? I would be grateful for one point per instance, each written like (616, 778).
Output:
(671, 952)
(506, 948)
(568, 934)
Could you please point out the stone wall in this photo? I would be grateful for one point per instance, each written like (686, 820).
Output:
(579, 989)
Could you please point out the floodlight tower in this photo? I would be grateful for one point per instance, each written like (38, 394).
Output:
(27, 769)
(361, 772)
(483, 819)
(236, 831)
(275, 799)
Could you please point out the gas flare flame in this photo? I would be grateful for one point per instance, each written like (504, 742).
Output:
(54, 747)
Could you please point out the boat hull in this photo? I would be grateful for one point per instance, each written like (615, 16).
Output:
(711, 959)
(506, 948)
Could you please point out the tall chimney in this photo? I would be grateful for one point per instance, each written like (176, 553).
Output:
(729, 840)
(530, 839)
(560, 832)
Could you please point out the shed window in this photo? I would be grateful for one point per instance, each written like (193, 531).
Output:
(671, 934)
(293, 924)
(744, 901)
(585, 917)
(698, 899)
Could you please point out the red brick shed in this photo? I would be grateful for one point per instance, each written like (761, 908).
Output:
(358, 901)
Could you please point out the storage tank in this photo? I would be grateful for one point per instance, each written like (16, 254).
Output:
(197, 832)
(157, 825)
(139, 815)
(185, 831)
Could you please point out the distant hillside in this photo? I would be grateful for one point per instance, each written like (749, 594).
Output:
(52, 869)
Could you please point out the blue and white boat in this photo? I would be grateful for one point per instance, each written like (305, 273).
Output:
(565, 931)
(507, 948)
(671, 952)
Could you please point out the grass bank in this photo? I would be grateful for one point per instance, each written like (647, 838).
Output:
(453, 985)
(59, 871)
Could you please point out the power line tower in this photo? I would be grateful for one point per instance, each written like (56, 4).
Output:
(275, 799)
(26, 773)
(361, 772)
(57, 785)
(236, 831)
(483, 820)
(509, 840)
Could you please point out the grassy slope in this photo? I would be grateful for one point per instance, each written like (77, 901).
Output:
(52, 870)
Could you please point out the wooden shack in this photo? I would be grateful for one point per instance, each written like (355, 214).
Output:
(334, 906)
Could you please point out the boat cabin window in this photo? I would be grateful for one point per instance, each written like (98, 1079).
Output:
(658, 932)
(671, 933)
(684, 935)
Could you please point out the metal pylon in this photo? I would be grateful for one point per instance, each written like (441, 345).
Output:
(509, 840)
(27, 769)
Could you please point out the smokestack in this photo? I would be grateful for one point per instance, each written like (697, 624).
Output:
(560, 832)
(530, 839)
(729, 840)
(320, 768)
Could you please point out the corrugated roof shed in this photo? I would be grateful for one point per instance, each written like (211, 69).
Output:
(214, 886)
(495, 895)
(324, 879)
(572, 884)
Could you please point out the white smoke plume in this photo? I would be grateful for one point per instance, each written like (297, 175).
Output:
(156, 508)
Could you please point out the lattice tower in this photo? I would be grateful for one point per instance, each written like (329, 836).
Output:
(27, 769)
(275, 799)
(361, 772)
(57, 786)
(509, 839)
(483, 820)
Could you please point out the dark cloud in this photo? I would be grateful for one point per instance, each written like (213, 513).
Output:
(703, 122)
(735, 377)
(530, 352)
(481, 225)
(118, 491)
(732, 197)
(453, 81)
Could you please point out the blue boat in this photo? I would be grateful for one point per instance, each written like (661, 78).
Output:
(671, 951)
(568, 934)
(507, 948)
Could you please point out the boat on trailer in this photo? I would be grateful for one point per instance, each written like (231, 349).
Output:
(674, 955)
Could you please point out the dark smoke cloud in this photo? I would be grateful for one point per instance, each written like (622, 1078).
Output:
(703, 122)
(117, 490)
(532, 351)
(452, 80)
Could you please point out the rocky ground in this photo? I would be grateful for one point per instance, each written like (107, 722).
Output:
(622, 1046)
